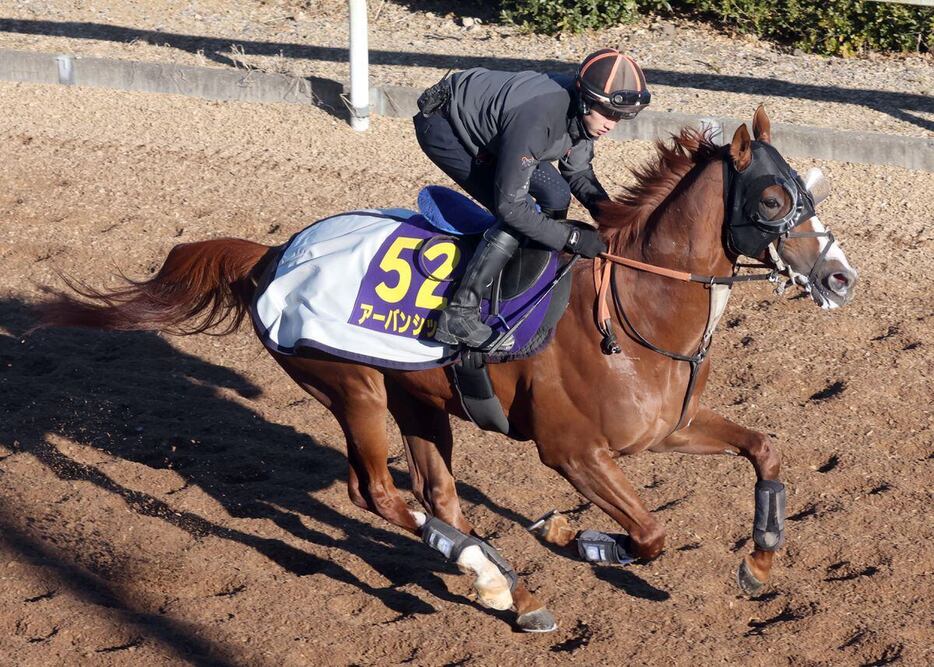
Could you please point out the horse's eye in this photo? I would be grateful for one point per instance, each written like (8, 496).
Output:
(771, 202)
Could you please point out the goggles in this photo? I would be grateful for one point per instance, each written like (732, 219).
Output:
(616, 114)
(799, 198)
(622, 104)
(630, 98)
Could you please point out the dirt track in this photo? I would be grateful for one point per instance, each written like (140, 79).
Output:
(172, 500)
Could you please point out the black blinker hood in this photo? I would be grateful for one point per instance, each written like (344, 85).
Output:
(747, 233)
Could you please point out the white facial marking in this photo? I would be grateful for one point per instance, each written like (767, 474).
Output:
(419, 517)
(835, 252)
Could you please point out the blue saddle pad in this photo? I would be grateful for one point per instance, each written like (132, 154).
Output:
(451, 212)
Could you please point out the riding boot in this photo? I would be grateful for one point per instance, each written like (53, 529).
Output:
(459, 322)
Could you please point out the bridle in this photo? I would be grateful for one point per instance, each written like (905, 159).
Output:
(747, 233)
(604, 268)
(806, 282)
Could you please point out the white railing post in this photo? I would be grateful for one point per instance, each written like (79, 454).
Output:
(359, 67)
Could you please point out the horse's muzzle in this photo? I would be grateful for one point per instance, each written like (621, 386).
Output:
(836, 284)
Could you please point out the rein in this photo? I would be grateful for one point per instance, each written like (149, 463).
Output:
(687, 277)
(603, 272)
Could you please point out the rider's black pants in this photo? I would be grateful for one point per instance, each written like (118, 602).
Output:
(437, 138)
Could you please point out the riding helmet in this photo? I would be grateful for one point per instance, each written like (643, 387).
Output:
(612, 82)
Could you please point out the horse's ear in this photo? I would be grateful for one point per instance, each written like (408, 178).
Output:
(741, 148)
(761, 127)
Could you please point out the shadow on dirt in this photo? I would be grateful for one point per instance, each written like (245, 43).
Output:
(489, 12)
(621, 577)
(134, 396)
(327, 91)
(181, 637)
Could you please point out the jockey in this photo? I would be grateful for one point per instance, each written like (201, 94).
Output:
(496, 135)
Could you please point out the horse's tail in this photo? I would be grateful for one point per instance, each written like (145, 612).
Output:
(200, 287)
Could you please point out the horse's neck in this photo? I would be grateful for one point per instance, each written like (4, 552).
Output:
(686, 231)
(685, 234)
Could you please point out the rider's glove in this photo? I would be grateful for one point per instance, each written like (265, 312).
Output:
(584, 240)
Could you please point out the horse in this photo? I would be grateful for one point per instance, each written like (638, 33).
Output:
(692, 212)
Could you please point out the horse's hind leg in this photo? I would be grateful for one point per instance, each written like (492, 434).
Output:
(709, 433)
(426, 434)
(356, 395)
(428, 442)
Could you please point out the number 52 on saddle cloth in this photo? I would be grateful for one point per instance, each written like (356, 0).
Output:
(368, 285)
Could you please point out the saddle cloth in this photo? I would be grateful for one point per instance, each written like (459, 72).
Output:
(368, 286)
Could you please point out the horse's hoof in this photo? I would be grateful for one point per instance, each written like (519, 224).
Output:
(554, 529)
(540, 620)
(747, 581)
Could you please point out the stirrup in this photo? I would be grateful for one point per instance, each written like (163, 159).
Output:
(509, 342)
(444, 335)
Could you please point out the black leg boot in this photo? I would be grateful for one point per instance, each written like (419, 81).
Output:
(460, 323)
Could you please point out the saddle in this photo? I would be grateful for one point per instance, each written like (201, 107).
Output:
(469, 374)
(525, 276)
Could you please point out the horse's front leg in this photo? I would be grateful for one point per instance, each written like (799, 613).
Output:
(709, 433)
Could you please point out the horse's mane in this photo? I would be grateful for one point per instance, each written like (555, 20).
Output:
(624, 217)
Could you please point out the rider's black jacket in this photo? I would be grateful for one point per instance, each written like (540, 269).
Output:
(525, 118)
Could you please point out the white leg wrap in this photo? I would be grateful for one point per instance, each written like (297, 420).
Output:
(492, 587)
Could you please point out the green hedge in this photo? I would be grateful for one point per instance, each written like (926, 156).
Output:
(837, 27)
(551, 17)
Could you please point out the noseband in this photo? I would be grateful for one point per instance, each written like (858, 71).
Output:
(805, 282)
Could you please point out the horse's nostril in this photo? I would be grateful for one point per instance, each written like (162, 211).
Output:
(839, 282)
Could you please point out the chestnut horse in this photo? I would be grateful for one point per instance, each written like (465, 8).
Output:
(583, 408)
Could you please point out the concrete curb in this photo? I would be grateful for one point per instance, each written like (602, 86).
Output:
(399, 101)
(207, 82)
